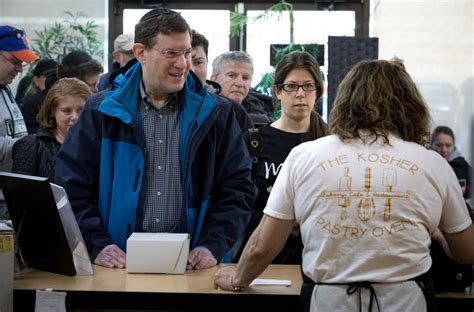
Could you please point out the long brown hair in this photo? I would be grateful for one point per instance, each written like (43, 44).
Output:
(303, 60)
(379, 98)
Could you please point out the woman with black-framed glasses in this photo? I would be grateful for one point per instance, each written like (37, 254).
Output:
(298, 86)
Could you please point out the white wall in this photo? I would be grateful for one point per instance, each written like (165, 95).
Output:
(436, 40)
(34, 15)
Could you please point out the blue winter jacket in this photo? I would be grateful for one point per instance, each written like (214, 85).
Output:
(101, 166)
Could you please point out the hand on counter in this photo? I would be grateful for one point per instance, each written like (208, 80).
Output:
(200, 258)
(223, 278)
(111, 257)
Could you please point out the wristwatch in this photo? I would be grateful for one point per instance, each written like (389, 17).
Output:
(235, 288)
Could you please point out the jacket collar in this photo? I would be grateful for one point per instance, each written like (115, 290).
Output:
(121, 101)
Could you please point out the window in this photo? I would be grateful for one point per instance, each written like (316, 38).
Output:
(309, 27)
(214, 26)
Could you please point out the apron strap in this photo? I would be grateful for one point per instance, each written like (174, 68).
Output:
(357, 286)
(424, 281)
(306, 293)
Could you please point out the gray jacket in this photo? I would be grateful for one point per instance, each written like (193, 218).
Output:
(12, 127)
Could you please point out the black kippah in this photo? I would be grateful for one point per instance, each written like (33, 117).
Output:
(157, 12)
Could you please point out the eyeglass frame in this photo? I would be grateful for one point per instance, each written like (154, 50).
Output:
(302, 86)
(171, 54)
(13, 62)
(19, 33)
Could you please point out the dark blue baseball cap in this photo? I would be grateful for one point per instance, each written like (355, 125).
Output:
(15, 42)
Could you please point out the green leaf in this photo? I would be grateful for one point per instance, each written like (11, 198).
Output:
(237, 23)
(265, 84)
(239, 20)
(68, 35)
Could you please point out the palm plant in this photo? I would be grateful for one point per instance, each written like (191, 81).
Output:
(66, 36)
(239, 20)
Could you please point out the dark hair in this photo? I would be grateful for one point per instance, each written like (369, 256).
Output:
(45, 67)
(379, 97)
(159, 21)
(442, 130)
(61, 88)
(79, 64)
(199, 40)
(303, 60)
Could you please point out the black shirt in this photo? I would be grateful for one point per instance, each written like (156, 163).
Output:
(274, 147)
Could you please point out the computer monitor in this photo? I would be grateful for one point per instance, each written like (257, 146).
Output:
(45, 227)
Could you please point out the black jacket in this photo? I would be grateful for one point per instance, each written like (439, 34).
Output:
(462, 170)
(30, 108)
(35, 154)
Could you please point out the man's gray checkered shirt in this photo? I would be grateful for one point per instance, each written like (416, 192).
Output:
(163, 199)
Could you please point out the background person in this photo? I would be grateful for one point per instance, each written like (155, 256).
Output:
(31, 103)
(22, 87)
(199, 55)
(79, 64)
(449, 275)
(122, 54)
(76, 64)
(42, 70)
(35, 154)
(233, 71)
(443, 141)
(14, 50)
(199, 66)
(372, 174)
(157, 153)
(298, 85)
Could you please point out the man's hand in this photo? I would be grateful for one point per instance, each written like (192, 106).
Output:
(111, 257)
(200, 258)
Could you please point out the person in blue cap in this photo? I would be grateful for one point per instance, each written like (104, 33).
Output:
(14, 50)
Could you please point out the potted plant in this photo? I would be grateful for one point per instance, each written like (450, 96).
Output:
(70, 34)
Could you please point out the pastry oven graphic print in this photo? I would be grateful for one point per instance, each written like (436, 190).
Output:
(365, 198)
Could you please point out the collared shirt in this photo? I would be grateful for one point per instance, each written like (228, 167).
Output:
(163, 197)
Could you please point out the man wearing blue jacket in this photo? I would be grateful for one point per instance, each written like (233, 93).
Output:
(157, 153)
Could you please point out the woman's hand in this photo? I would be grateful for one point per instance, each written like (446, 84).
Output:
(223, 278)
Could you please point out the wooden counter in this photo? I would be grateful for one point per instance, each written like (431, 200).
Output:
(193, 291)
(116, 289)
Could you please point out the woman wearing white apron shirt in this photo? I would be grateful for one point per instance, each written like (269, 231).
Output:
(367, 198)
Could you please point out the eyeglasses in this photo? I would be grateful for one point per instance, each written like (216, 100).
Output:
(17, 63)
(174, 55)
(294, 87)
(20, 34)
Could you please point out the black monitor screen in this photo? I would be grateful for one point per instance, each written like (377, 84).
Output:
(37, 223)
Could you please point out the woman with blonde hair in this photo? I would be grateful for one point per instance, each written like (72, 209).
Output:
(367, 198)
(35, 154)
